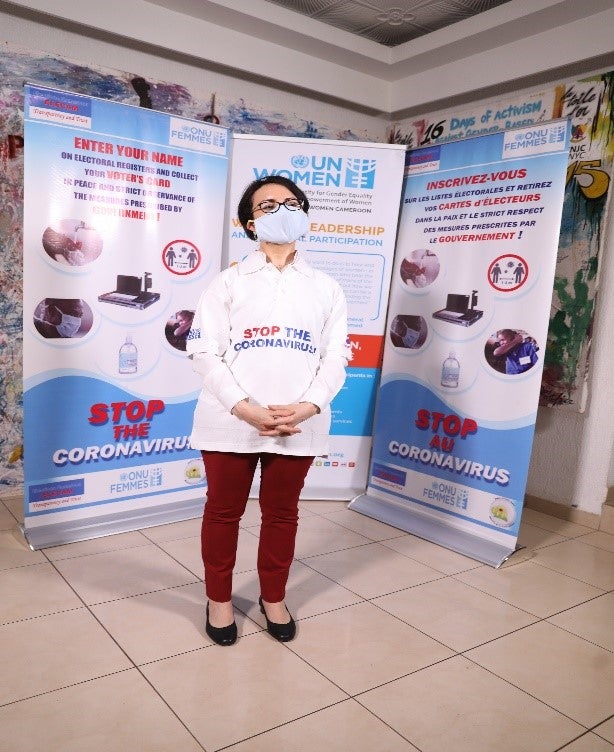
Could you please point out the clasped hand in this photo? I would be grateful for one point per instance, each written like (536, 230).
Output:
(274, 420)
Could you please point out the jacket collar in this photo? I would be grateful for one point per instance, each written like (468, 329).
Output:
(256, 261)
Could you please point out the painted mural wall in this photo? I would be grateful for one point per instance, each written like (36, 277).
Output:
(589, 104)
(18, 66)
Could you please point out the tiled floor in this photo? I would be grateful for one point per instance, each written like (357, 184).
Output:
(401, 644)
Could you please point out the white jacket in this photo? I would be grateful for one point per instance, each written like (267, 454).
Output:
(276, 337)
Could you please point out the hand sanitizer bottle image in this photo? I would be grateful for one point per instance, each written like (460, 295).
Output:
(128, 356)
(450, 371)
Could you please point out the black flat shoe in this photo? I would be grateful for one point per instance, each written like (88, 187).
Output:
(221, 635)
(281, 632)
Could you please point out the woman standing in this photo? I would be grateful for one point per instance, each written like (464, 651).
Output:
(270, 340)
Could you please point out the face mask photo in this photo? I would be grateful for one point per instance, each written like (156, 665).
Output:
(62, 318)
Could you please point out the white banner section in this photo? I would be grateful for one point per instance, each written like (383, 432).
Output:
(354, 191)
(466, 334)
(124, 213)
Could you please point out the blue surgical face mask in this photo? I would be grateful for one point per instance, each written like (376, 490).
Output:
(282, 226)
(69, 325)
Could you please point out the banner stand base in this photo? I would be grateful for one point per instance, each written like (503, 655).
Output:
(318, 493)
(60, 533)
(432, 530)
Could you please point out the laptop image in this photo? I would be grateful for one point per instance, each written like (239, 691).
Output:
(458, 311)
(133, 292)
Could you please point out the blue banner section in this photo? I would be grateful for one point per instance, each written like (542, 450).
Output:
(423, 433)
(466, 332)
(123, 221)
(353, 408)
(91, 425)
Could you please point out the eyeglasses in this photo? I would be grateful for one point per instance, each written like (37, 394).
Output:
(270, 206)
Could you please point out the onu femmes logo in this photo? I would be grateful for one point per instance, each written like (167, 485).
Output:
(320, 170)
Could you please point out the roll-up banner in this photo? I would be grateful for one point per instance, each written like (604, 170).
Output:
(354, 191)
(465, 338)
(124, 214)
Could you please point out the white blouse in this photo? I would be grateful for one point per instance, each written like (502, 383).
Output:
(275, 337)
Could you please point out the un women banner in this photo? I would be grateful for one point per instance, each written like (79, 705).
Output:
(354, 191)
(123, 221)
(466, 333)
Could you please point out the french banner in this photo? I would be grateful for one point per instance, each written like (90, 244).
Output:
(466, 333)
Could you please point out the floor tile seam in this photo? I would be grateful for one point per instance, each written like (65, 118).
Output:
(317, 514)
(461, 652)
(538, 620)
(173, 558)
(68, 584)
(582, 603)
(249, 529)
(593, 545)
(369, 598)
(526, 692)
(400, 533)
(261, 630)
(304, 619)
(305, 563)
(111, 636)
(357, 695)
(385, 722)
(69, 686)
(131, 595)
(430, 566)
(292, 649)
(24, 566)
(315, 712)
(281, 725)
(575, 739)
(85, 555)
(245, 571)
(336, 550)
(571, 577)
(206, 646)
(498, 598)
(16, 528)
(596, 726)
(570, 536)
(14, 516)
(88, 555)
(140, 595)
(43, 616)
(542, 546)
(144, 592)
(166, 540)
(580, 637)
(418, 629)
(170, 708)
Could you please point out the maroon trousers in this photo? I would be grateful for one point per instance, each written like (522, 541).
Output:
(229, 479)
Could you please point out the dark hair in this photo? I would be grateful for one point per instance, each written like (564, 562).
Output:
(244, 209)
(69, 306)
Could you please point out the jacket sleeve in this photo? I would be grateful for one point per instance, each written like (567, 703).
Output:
(335, 354)
(208, 340)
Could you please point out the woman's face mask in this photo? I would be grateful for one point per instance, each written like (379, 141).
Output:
(282, 226)
(69, 325)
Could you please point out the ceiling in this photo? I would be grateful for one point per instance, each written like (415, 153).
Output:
(392, 22)
(384, 57)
